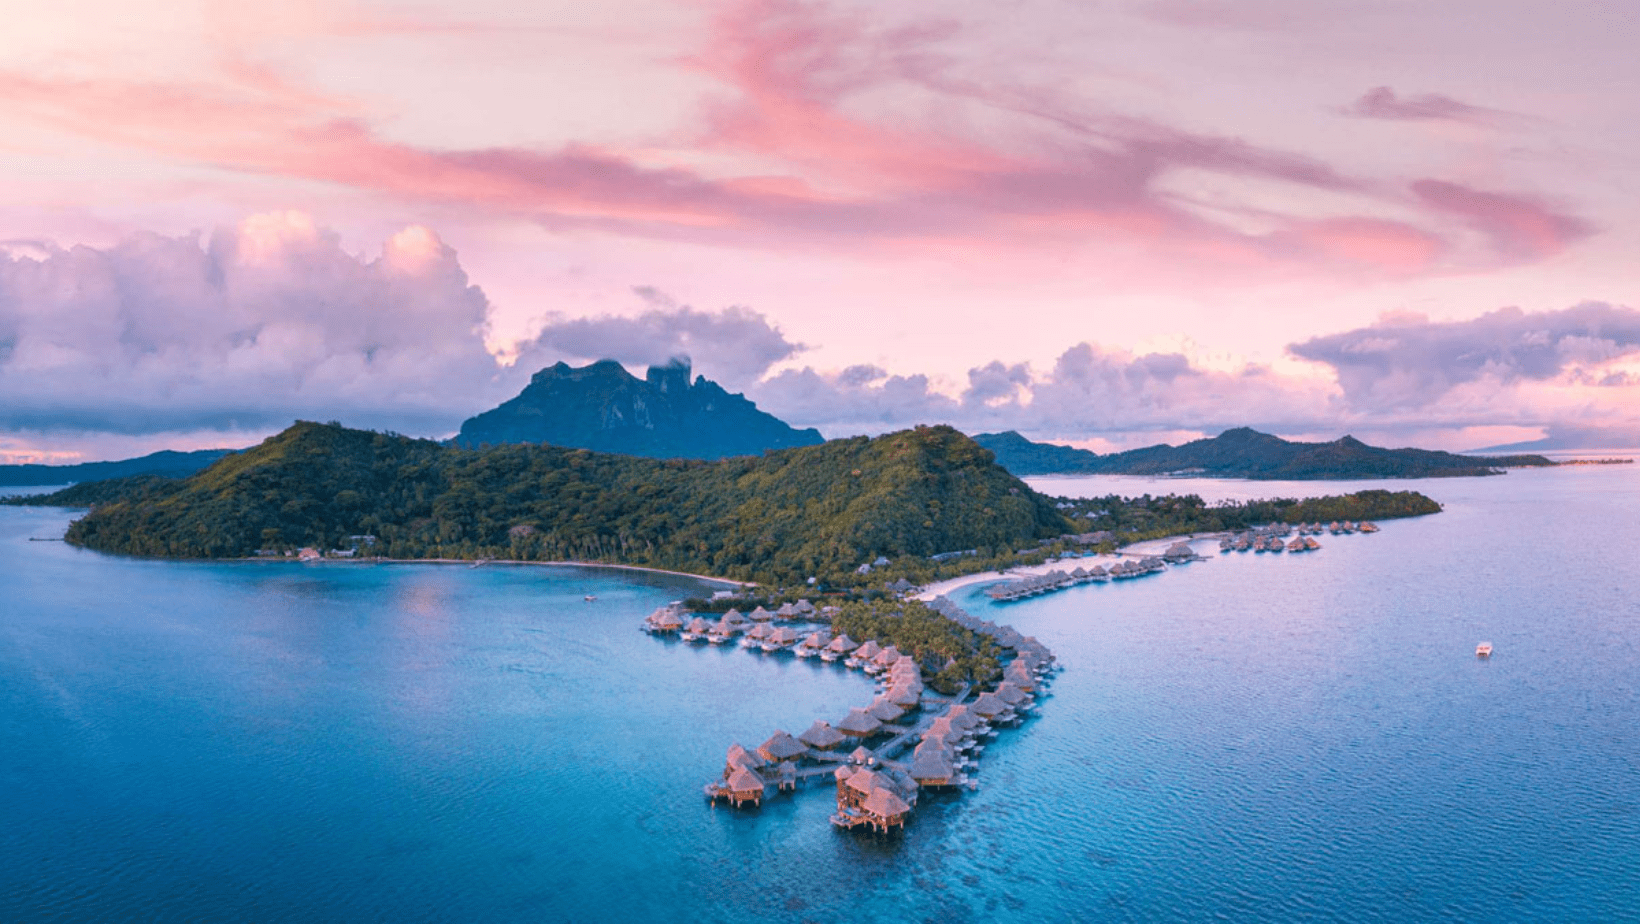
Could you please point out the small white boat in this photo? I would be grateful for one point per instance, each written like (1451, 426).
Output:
(589, 598)
(1483, 650)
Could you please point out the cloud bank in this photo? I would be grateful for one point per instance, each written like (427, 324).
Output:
(261, 323)
(1404, 363)
(273, 320)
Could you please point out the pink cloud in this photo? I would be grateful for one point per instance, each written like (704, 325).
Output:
(832, 172)
(1520, 228)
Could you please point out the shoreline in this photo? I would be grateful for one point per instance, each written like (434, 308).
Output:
(1137, 549)
(364, 560)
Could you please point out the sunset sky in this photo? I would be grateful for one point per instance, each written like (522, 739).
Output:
(1106, 224)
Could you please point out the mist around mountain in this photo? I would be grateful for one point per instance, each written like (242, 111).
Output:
(1247, 453)
(604, 408)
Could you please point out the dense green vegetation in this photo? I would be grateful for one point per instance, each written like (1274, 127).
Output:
(92, 493)
(948, 654)
(778, 519)
(1139, 518)
(1245, 453)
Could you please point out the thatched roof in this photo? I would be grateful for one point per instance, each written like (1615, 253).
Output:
(761, 615)
(860, 755)
(942, 729)
(883, 803)
(988, 704)
(822, 735)
(962, 717)
(842, 773)
(818, 639)
(865, 781)
(785, 635)
(868, 650)
(904, 695)
(759, 631)
(804, 606)
(745, 781)
(740, 757)
(932, 766)
(887, 656)
(786, 611)
(699, 625)
(842, 643)
(885, 710)
(734, 616)
(859, 723)
(1010, 694)
(781, 746)
(669, 620)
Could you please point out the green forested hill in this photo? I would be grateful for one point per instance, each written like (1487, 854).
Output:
(1245, 453)
(818, 510)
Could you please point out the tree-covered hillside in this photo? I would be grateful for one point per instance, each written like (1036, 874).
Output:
(780, 518)
(1245, 453)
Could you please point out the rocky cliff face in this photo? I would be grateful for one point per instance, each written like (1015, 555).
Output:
(603, 407)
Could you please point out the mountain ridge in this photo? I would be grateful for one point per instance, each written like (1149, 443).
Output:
(604, 408)
(1243, 452)
(167, 462)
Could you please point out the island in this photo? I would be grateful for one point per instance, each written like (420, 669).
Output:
(1247, 453)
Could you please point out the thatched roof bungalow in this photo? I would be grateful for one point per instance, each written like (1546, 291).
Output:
(745, 786)
(822, 737)
(884, 809)
(933, 768)
(885, 711)
(781, 746)
(859, 723)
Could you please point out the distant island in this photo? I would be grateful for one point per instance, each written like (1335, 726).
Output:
(1247, 453)
(852, 514)
(165, 462)
(604, 408)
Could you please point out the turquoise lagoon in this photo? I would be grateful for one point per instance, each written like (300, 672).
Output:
(1253, 737)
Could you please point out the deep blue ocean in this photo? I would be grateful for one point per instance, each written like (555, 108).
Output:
(1252, 738)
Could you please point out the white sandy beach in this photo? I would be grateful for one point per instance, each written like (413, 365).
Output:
(1136, 550)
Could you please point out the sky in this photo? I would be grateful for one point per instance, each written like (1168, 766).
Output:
(1105, 224)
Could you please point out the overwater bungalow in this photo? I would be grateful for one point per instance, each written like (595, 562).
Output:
(1020, 675)
(781, 746)
(1179, 552)
(884, 660)
(991, 708)
(884, 810)
(864, 654)
(761, 615)
(1310, 545)
(859, 723)
(861, 756)
(804, 608)
(755, 636)
(722, 632)
(1011, 694)
(786, 611)
(885, 711)
(905, 696)
(814, 644)
(822, 737)
(780, 639)
(838, 647)
(1368, 527)
(696, 630)
(933, 768)
(740, 757)
(744, 786)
